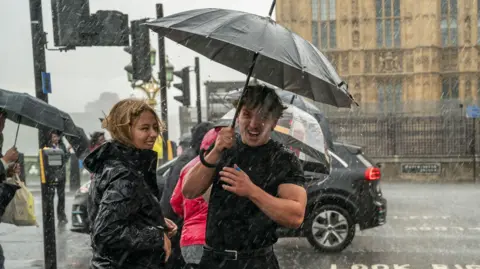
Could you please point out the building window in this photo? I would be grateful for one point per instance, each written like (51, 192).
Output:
(478, 21)
(448, 23)
(450, 88)
(477, 95)
(390, 95)
(315, 23)
(388, 23)
(324, 29)
(468, 96)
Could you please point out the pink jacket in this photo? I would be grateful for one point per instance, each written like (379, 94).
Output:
(194, 212)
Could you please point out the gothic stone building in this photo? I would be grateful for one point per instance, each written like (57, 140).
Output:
(392, 52)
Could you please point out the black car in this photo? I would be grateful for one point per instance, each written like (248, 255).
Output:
(337, 202)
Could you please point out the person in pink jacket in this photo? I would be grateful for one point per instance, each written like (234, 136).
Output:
(194, 212)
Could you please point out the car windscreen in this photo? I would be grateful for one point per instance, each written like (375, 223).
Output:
(354, 158)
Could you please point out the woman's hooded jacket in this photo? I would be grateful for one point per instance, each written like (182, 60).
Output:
(123, 208)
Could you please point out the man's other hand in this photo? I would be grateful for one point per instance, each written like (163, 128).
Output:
(238, 181)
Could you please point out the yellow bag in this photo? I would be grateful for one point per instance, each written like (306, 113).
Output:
(21, 210)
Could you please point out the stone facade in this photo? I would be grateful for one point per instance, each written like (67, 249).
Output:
(425, 68)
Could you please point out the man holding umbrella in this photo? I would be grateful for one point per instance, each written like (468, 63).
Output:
(257, 185)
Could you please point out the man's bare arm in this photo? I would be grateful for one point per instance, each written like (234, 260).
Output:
(199, 178)
(288, 209)
(206, 195)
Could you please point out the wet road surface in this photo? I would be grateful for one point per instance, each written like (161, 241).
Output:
(429, 226)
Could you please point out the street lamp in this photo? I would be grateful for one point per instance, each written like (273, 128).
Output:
(152, 87)
(153, 56)
(169, 71)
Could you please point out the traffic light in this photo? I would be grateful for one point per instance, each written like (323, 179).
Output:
(73, 25)
(184, 86)
(67, 15)
(140, 51)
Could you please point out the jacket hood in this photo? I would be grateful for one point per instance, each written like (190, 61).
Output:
(209, 138)
(198, 132)
(113, 150)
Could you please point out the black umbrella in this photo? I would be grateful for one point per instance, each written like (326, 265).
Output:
(79, 142)
(281, 57)
(25, 109)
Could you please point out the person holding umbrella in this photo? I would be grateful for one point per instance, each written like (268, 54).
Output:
(11, 155)
(7, 191)
(257, 185)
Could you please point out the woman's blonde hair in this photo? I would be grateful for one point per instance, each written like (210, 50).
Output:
(122, 116)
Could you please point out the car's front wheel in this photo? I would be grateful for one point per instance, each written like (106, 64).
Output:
(330, 228)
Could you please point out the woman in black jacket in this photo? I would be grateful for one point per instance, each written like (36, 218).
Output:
(128, 228)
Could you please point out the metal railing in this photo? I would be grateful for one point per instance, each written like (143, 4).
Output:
(405, 136)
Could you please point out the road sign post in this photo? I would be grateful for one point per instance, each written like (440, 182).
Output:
(473, 112)
(50, 161)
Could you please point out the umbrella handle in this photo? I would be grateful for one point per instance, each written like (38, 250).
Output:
(271, 8)
(18, 128)
(204, 152)
(250, 72)
(237, 110)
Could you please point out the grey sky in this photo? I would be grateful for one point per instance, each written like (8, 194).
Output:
(80, 76)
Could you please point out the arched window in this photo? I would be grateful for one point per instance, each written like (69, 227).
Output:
(478, 21)
(390, 95)
(324, 29)
(388, 23)
(450, 87)
(448, 23)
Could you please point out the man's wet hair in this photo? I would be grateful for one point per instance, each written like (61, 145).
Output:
(265, 98)
(3, 113)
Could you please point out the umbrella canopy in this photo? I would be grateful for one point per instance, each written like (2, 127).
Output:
(298, 101)
(281, 57)
(79, 142)
(25, 109)
(287, 97)
(299, 131)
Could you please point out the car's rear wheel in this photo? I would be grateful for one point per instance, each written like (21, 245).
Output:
(330, 228)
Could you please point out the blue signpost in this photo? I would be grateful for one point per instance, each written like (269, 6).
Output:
(473, 112)
(46, 83)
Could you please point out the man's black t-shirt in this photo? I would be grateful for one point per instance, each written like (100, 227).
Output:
(236, 223)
